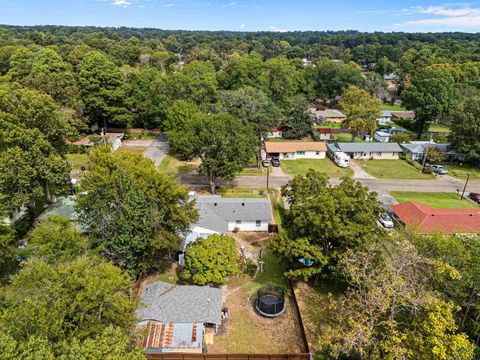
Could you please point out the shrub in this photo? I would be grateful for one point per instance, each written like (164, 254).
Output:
(250, 267)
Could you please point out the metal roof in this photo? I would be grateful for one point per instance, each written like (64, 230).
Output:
(352, 147)
(163, 337)
(215, 212)
(180, 303)
(273, 147)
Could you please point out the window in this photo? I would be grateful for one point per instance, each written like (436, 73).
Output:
(300, 152)
(375, 154)
(317, 152)
(258, 223)
(238, 222)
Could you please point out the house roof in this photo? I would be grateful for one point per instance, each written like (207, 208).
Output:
(328, 113)
(215, 212)
(180, 303)
(391, 76)
(277, 129)
(429, 220)
(382, 133)
(294, 146)
(403, 114)
(420, 146)
(160, 336)
(327, 131)
(385, 113)
(351, 147)
(413, 148)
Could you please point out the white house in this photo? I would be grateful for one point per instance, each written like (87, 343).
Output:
(292, 150)
(381, 136)
(275, 133)
(371, 150)
(385, 117)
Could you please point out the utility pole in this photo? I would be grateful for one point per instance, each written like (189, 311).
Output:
(425, 159)
(268, 175)
(465, 187)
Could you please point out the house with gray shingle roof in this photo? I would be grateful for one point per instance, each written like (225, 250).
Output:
(371, 150)
(172, 317)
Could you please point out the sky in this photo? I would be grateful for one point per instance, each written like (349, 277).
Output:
(249, 15)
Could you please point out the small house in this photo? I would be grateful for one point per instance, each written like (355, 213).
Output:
(391, 80)
(291, 150)
(381, 136)
(275, 133)
(385, 117)
(326, 115)
(371, 150)
(403, 115)
(327, 134)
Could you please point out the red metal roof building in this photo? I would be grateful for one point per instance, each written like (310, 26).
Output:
(430, 220)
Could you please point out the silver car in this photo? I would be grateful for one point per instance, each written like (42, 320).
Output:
(386, 221)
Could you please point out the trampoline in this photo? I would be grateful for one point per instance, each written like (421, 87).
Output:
(270, 300)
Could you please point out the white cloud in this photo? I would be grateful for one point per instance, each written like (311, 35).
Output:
(242, 26)
(121, 3)
(230, 4)
(451, 15)
(275, 29)
(168, 5)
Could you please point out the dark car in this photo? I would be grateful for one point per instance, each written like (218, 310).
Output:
(475, 197)
(275, 161)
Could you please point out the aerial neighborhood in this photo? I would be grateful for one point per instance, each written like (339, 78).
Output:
(242, 195)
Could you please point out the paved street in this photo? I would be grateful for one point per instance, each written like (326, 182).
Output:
(381, 186)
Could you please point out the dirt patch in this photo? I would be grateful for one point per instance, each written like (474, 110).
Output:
(248, 332)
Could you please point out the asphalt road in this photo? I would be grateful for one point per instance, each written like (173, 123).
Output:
(381, 186)
(157, 149)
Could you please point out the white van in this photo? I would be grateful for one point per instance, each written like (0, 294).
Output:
(341, 159)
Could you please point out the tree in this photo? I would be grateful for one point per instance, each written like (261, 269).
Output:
(431, 94)
(391, 308)
(384, 66)
(222, 142)
(298, 121)
(374, 84)
(78, 299)
(323, 221)
(132, 213)
(101, 85)
(331, 78)
(434, 155)
(55, 239)
(361, 110)
(179, 114)
(211, 260)
(465, 126)
(400, 138)
(251, 106)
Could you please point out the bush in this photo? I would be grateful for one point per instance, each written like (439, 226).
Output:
(250, 267)
(76, 149)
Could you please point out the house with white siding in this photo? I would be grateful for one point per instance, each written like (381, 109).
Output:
(371, 150)
(291, 150)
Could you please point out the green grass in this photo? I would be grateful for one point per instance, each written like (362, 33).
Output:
(77, 161)
(392, 107)
(234, 192)
(251, 172)
(173, 166)
(461, 171)
(329, 126)
(301, 166)
(438, 200)
(439, 128)
(392, 169)
(140, 136)
(132, 149)
(278, 208)
(274, 268)
(346, 137)
(306, 138)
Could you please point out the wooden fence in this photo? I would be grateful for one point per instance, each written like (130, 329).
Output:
(189, 356)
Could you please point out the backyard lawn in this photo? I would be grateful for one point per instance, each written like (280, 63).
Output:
(132, 149)
(301, 166)
(438, 128)
(76, 161)
(306, 138)
(461, 171)
(392, 169)
(234, 192)
(438, 200)
(392, 107)
(173, 166)
(248, 332)
(346, 137)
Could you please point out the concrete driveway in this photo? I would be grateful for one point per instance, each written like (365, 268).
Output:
(157, 149)
(358, 172)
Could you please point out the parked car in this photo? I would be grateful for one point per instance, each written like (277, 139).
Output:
(386, 221)
(275, 161)
(266, 163)
(475, 197)
(439, 169)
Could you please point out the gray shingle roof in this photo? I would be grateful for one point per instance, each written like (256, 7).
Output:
(215, 212)
(180, 303)
(352, 147)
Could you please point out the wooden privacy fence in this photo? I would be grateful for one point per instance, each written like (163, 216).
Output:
(188, 356)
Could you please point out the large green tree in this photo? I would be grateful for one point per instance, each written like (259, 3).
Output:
(78, 299)
(297, 122)
(211, 260)
(323, 221)
(102, 88)
(361, 111)
(431, 94)
(465, 126)
(224, 145)
(133, 213)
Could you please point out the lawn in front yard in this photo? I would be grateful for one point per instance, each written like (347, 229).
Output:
(250, 333)
(438, 200)
(461, 171)
(392, 107)
(301, 166)
(77, 161)
(173, 166)
(393, 169)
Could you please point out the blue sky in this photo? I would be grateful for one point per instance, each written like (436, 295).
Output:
(248, 15)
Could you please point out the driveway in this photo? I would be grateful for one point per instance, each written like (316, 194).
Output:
(358, 172)
(157, 149)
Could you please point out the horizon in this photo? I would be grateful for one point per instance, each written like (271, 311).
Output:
(248, 16)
